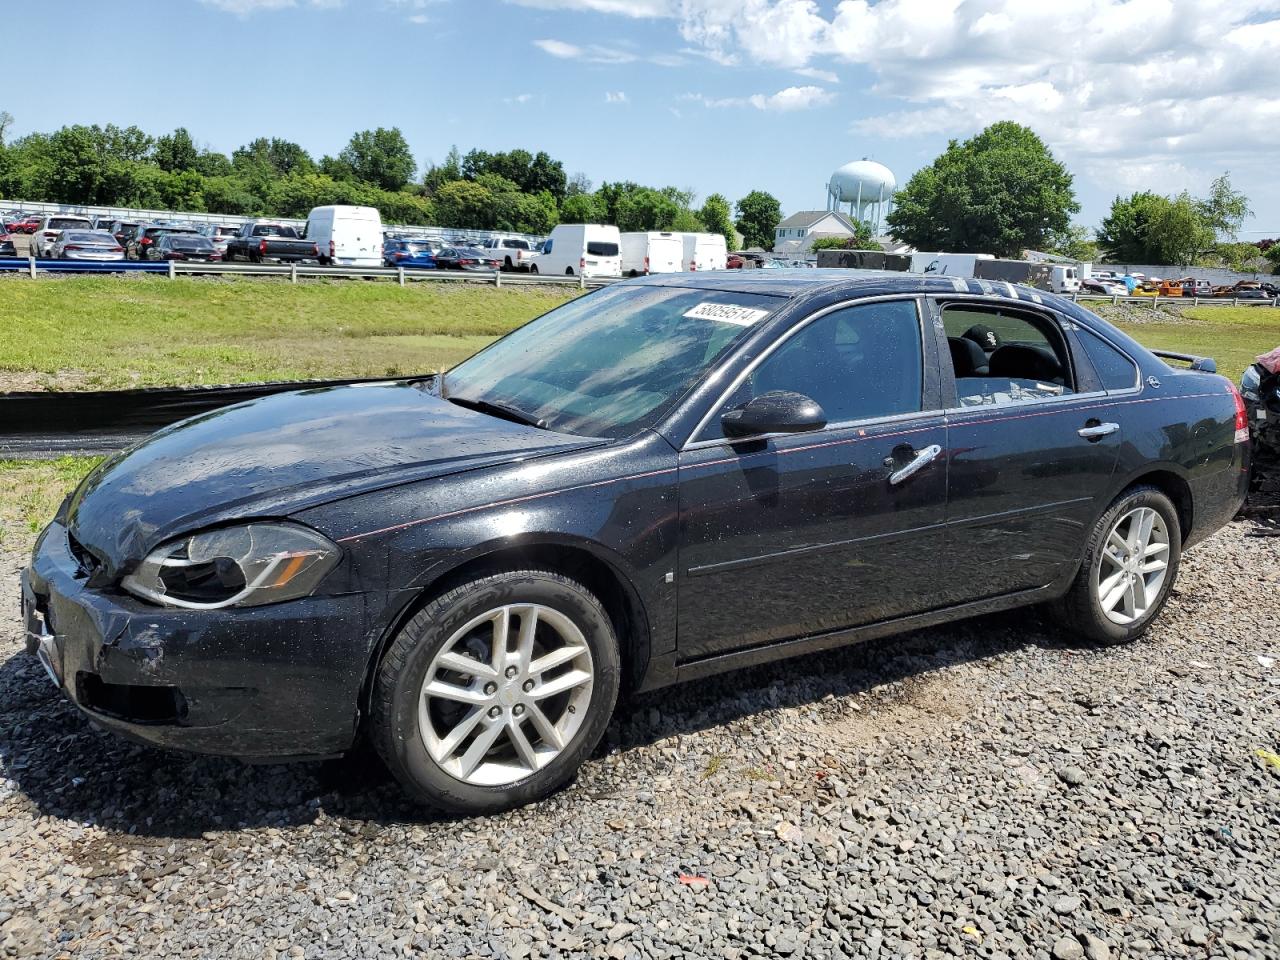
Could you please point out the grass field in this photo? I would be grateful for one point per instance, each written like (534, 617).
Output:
(32, 491)
(1231, 335)
(109, 332)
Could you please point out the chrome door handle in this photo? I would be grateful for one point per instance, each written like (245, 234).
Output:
(921, 460)
(1099, 431)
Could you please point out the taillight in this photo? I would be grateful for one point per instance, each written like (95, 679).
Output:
(693, 266)
(72, 246)
(315, 249)
(332, 250)
(400, 254)
(1242, 414)
(262, 248)
(582, 264)
(145, 242)
(646, 264)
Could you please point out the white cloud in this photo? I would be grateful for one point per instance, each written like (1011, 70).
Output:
(792, 98)
(1119, 88)
(597, 53)
(619, 97)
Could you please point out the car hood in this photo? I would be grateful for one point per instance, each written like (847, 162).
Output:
(279, 454)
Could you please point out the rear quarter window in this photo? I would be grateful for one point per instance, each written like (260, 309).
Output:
(1115, 370)
(598, 248)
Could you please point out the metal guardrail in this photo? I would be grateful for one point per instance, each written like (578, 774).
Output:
(294, 271)
(1184, 301)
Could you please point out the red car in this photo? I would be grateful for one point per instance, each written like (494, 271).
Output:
(734, 262)
(27, 224)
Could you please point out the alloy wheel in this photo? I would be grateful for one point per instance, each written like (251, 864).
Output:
(506, 694)
(1130, 574)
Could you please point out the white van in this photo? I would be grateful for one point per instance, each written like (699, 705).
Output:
(705, 251)
(581, 249)
(652, 252)
(346, 236)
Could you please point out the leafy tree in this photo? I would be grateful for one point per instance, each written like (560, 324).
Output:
(581, 208)
(1273, 255)
(686, 221)
(759, 214)
(272, 156)
(1177, 232)
(1244, 257)
(715, 216)
(211, 163)
(176, 151)
(464, 203)
(77, 165)
(1076, 243)
(863, 239)
(437, 176)
(6, 121)
(646, 209)
(999, 192)
(1225, 209)
(579, 184)
(381, 157)
(1124, 233)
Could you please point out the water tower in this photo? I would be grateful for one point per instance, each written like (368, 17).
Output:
(867, 187)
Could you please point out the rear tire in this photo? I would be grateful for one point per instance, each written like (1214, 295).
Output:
(463, 715)
(534, 269)
(568, 271)
(1121, 586)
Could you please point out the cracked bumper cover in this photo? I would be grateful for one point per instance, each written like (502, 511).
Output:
(271, 682)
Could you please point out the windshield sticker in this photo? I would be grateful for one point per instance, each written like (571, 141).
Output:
(727, 313)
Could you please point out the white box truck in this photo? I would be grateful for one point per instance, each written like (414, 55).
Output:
(652, 251)
(951, 264)
(705, 251)
(581, 249)
(346, 236)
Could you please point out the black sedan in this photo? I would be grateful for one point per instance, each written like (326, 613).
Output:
(464, 258)
(668, 478)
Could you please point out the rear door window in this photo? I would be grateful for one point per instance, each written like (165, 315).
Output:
(1001, 356)
(599, 248)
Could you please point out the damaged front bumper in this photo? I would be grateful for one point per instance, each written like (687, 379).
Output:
(273, 682)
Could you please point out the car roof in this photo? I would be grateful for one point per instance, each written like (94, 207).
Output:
(792, 283)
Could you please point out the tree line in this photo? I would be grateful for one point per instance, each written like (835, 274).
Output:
(515, 190)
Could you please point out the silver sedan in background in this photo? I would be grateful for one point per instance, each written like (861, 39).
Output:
(86, 245)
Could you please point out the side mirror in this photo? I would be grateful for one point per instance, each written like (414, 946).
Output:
(778, 411)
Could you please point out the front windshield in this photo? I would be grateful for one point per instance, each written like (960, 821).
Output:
(613, 362)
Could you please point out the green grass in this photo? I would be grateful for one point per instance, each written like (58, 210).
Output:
(110, 332)
(1233, 336)
(32, 491)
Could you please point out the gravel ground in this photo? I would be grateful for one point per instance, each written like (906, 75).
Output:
(986, 790)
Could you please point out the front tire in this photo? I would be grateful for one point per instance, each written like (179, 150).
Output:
(494, 694)
(1130, 564)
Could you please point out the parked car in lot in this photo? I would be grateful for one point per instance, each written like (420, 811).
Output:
(664, 479)
(512, 253)
(581, 249)
(346, 236)
(26, 224)
(408, 253)
(7, 248)
(734, 261)
(143, 244)
(193, 247)
(465, 258)
(260, 240)
(219, 234)
(1102, 287)
(86, 245)
(124, 231)
(47, 230)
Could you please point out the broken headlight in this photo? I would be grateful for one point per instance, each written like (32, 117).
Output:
(244, 566)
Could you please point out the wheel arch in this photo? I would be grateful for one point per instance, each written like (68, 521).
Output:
(580, 561)
(1173, 484)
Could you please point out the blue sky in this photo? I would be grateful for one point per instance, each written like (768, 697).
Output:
(712, 95)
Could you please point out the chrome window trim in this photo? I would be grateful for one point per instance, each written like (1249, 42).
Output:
(915, 298)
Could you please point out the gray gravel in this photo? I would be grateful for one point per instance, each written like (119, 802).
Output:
(988, 790)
